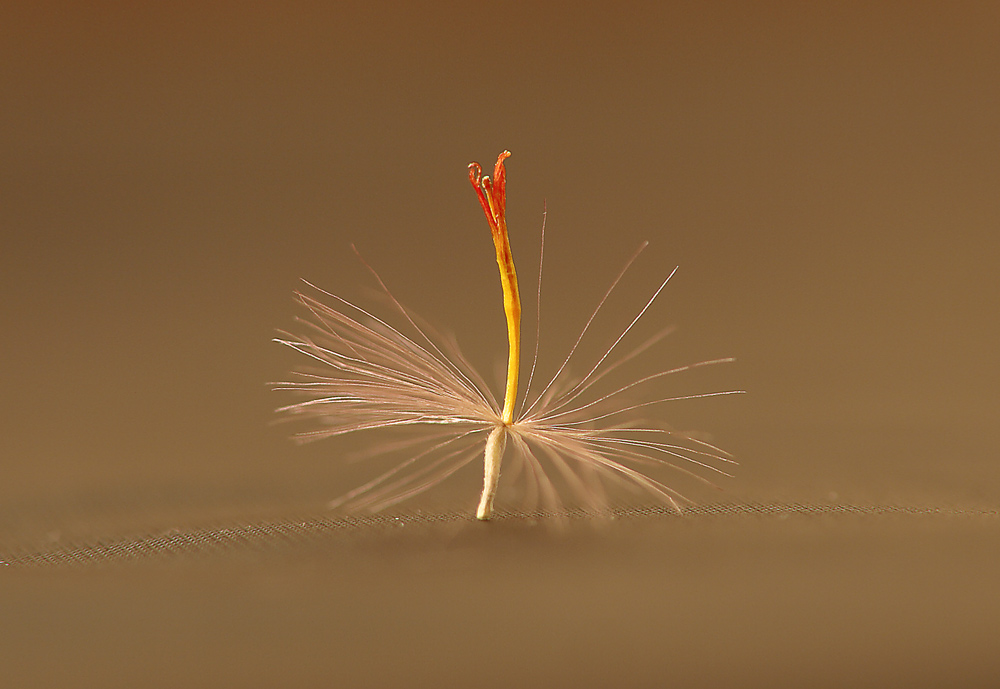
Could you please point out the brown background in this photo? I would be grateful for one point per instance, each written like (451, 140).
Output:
(826, 176)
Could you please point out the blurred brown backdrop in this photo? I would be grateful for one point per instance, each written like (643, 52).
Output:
(825, 174)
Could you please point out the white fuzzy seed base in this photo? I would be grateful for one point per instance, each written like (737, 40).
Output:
(495, 445)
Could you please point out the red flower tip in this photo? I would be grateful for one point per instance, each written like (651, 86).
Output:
(492, 193)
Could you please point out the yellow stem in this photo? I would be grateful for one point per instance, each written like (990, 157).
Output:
(512, 309)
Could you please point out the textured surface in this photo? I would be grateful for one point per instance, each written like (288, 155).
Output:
(235, 538)
(743, 596)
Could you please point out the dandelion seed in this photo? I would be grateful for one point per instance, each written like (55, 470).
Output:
(371, 375)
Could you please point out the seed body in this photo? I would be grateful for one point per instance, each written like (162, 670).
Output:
(495, 445)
